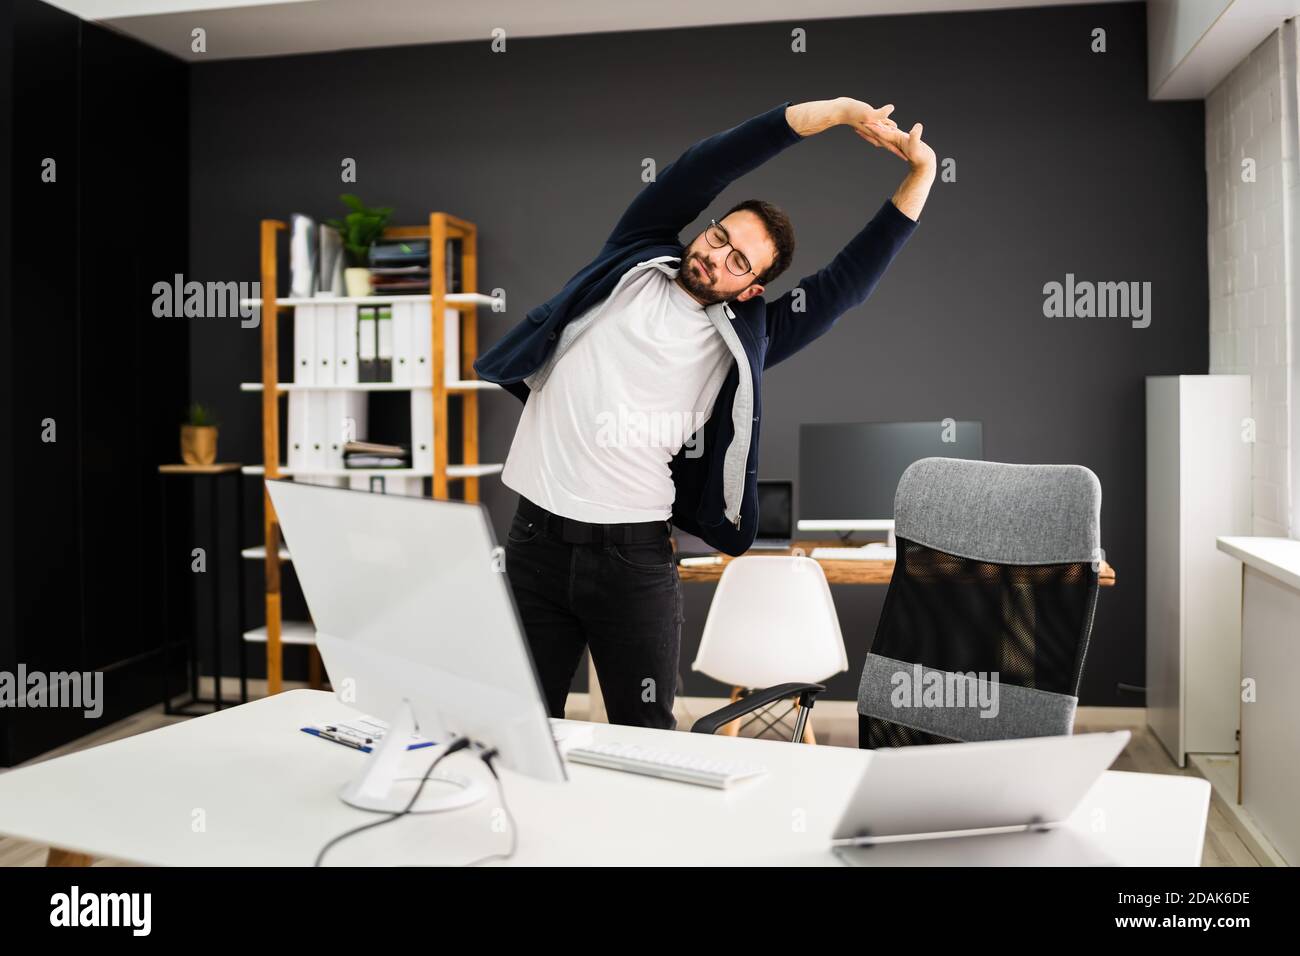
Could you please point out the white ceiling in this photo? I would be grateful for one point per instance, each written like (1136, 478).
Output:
(249, 28)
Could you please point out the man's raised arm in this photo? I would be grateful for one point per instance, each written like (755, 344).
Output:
(685, 188)
(811, 308)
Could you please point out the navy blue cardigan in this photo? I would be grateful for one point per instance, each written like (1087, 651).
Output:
(769, 331)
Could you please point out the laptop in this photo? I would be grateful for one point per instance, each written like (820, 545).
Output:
(981, 788)
(775, 523)
(775, 516)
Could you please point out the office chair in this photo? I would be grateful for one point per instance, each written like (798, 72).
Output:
(986, 622)
(772, 625)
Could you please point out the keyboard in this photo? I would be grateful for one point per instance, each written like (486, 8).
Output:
(570, 733)
(667, 764)
(865, 553)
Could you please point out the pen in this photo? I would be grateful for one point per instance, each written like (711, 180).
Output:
(333, 733)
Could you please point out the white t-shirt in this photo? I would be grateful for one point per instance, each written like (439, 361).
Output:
(595, 441)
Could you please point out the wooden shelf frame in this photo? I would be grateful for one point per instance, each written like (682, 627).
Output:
(441, 227)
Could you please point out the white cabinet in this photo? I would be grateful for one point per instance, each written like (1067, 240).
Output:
(1198, 488)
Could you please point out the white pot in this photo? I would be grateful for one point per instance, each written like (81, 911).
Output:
(357, 281)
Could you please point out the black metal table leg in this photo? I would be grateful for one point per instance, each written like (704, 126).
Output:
(214, 553)
(166, 621)
(214, 533)
(239, 590)
(193, 635)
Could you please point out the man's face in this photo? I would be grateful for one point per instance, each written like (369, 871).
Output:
(704, 273)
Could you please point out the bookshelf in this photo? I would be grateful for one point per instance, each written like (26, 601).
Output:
(441, 227)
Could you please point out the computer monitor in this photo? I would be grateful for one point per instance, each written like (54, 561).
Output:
(849, 471)
(775, 513)
(417, 625)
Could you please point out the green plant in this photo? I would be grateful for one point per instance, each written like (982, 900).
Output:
(360, 228)
(201, 416)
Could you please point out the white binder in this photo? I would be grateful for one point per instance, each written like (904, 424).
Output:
(324, 344)
(304, 263)
(346, 421)
(405, 318)
(422, 346)
(422, 429)
(451, 346)
(297, 430)
(304, 344)
(345, 345)
(318, 429)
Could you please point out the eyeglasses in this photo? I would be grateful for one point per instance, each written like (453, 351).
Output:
(717, 237)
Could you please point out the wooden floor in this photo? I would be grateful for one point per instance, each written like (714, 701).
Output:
(1143, 753)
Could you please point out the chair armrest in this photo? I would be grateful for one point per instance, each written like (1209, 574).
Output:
(709, 723)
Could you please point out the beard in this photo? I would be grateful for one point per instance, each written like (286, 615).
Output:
(695, 285)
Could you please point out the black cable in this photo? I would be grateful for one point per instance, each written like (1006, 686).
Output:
(459, 743)
(487, 757)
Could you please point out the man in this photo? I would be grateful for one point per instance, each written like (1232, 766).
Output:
(642, 392)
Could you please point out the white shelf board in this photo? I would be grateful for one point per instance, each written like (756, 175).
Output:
(258, 553)
(453, 471)
(452, 298)
(473, 471)
(291, 632)
(465, 385)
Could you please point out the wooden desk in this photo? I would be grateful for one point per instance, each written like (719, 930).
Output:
(837, 571)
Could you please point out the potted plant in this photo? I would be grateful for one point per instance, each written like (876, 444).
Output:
(199, 436)
(359, 229)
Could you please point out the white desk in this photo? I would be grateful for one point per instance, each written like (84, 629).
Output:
(268, 796)
(1269, 781)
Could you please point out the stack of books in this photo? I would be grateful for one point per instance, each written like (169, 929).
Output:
(365, 454)
(401, 266)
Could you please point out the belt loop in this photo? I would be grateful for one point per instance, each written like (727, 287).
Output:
(606, 533)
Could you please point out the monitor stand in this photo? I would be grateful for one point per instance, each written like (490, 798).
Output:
(380, 788)
(889, 542)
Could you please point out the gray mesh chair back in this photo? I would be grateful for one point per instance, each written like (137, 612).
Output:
(986, 622)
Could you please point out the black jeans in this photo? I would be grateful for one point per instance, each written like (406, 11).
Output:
(624, 601)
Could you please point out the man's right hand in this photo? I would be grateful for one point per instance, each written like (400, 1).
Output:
(866, 120)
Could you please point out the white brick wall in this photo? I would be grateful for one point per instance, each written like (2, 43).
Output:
(1254, 245)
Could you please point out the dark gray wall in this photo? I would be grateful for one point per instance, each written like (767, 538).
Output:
(1062, 166)
(79, 531)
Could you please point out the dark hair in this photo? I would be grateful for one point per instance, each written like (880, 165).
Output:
(779, 230)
